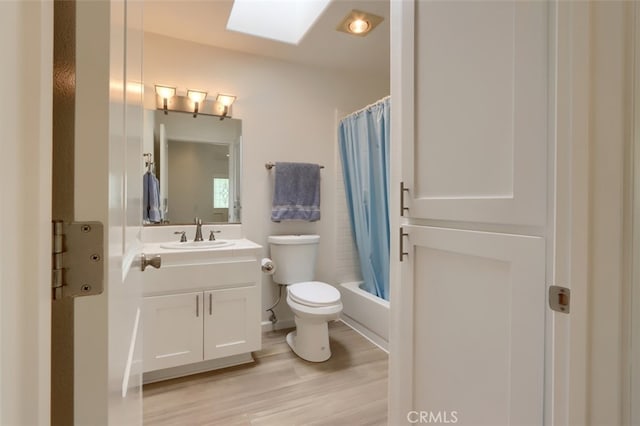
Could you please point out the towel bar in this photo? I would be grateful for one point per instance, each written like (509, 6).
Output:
(270, 166)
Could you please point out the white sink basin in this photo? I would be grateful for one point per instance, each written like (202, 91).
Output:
(192, 245)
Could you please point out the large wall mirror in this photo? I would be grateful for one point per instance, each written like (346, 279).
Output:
(197, 163)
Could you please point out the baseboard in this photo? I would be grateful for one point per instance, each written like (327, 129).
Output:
(279, 325)
(365, 332)
(348, 321)
(199, 367)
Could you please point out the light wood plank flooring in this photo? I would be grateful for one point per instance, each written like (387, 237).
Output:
(280, 389)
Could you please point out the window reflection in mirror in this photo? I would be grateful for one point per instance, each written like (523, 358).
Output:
(197, 163)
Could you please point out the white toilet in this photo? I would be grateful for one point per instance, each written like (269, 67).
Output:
(313, 303)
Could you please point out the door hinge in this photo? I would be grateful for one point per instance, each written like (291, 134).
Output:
(77, 260)
(560, 299)
(403, 189)
(402, 252)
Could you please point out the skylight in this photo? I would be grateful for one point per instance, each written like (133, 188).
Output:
(282, 20)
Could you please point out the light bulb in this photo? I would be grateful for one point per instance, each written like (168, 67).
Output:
(165, 92)
(196, 96)
(359, 26)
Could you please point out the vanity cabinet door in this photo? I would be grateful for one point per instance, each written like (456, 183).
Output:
(231, 322)
(172, 330)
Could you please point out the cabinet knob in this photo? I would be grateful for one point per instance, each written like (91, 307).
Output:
(154, 261)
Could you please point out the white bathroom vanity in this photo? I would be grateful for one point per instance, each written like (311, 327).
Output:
(201, 308)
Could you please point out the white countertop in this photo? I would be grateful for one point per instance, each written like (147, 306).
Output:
(241, 248)
(166, 233)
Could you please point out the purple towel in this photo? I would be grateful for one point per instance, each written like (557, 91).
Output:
(297, 192)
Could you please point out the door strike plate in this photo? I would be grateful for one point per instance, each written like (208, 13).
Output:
(560, 299)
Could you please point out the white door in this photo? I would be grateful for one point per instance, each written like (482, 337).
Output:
(173, 330)
(108, 188)
(472, 103)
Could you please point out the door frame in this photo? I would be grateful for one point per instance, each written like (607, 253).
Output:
(566, 335)
(568, 261)
(632, 398)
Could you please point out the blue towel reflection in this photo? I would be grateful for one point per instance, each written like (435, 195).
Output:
(151, 198)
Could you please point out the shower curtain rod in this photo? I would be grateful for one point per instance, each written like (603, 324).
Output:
(270, 166)
(367, 107)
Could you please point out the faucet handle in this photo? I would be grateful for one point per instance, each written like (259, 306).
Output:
(211, 236)
(183, 238)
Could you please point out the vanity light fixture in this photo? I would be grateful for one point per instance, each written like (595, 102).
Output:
(165, 92)
(359, 23)
(197, 98)
(225, 101)
(195, 102)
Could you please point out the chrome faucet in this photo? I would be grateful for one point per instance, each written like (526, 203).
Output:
(198, 223)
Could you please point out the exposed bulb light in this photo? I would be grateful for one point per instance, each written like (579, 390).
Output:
(197, 98)
(165, 93)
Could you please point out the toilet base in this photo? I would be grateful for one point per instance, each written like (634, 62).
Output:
(310, 341)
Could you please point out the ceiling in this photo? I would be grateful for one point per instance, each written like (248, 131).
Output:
(204, 21)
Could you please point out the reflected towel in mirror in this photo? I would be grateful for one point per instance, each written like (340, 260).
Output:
(151, 198)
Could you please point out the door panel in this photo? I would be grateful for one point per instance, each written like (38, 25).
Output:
(108, 130)
(125, 217)
(173, 330)
(230, 322)
(478, 315)
(478, 152)
(133, 111)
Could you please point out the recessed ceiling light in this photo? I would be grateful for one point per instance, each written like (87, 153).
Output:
(282, 20)
(359, 26)
(359, 23)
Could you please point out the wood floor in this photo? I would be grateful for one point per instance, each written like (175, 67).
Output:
(280, 389)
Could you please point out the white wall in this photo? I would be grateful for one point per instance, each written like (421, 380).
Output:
(26, 37)
(288, 114)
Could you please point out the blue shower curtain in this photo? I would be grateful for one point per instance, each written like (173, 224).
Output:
(364, 149)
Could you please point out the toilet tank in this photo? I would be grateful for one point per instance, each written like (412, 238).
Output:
(294, 257)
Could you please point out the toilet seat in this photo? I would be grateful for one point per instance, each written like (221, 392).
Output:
(314, 294)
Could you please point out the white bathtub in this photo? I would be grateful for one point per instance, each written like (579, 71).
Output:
(366, 313)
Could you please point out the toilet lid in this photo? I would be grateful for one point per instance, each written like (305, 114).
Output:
(314, 293)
